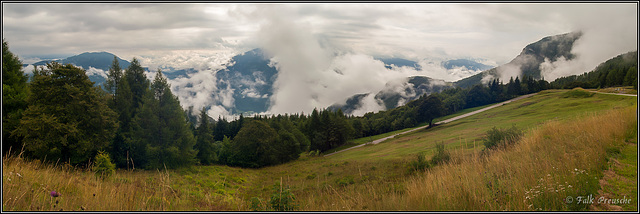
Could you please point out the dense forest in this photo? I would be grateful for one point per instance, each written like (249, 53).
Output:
(60, 116)
(622, 70)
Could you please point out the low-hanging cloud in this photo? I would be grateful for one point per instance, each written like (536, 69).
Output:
(433, 68)
(602, 39)
(200, 90)
(96, 71)
(312, 73)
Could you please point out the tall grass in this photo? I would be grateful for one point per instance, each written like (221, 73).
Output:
(27, 186)
(548, 165)
(557, 160)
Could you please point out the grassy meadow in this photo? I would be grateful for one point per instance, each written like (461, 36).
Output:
(574, 145)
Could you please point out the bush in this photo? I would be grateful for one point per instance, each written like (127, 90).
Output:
(314, 153)
(497, 138)
(311, 176)
(256, 204)
(103, 166)
(442, 156)
(345, 181)
(420, 164)
(282, 199)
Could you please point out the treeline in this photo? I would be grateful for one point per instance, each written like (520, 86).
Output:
(622, 70)
(428, 107)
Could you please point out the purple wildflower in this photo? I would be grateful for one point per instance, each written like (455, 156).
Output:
(54, 194)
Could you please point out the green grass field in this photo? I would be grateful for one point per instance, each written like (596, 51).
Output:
(373, 177)
(461, 134)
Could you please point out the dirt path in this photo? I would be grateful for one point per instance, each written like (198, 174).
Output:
(438, 123)
(631, 95)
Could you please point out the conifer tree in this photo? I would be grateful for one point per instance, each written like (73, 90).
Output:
(161, 134)
(114, 76)
(204, 140)
(14, 97)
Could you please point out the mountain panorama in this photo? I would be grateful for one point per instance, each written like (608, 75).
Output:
(246, 84)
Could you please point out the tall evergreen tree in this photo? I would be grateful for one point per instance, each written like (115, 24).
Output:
(14, 97)
(204, 140)
(138, 83)
(68, 118)
(161, 134)
(113, 76)
(221, 129)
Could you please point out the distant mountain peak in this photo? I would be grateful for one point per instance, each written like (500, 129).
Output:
(529, 60)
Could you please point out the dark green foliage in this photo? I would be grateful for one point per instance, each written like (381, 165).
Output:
(254, 146)
(224, 150)
(103, 167)
(114, 76)
(14, 97)
(441, 156)
(618, 71)
(221, 129)
(420, 164)
(68, 118)
(478, 96)
(282, 199)
(327, 130)
(137, 81)
(454, 102)
(500, 138)
(126, 104)
(430, 108)
(207, 153)
(160, 134)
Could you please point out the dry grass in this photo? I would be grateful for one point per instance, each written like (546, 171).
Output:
(552, 162)
(543, 160)
(27, 186)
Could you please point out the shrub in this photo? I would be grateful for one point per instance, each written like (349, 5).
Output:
(103, 166)
(502, 137)
(442, 156)
(256, 204)
(420, 164)
(282, 199)
(345, 181)
(311, 176)
(314, 153)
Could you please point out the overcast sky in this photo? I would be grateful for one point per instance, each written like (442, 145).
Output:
(307, 43)
(495, 32)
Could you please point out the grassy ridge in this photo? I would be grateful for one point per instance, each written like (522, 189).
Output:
(375, 177)
(465, 134)
(551, 163)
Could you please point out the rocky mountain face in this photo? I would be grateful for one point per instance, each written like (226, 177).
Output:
(528, 61)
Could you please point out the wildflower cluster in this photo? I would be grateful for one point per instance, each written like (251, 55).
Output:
(547, 190)
(578, 172)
